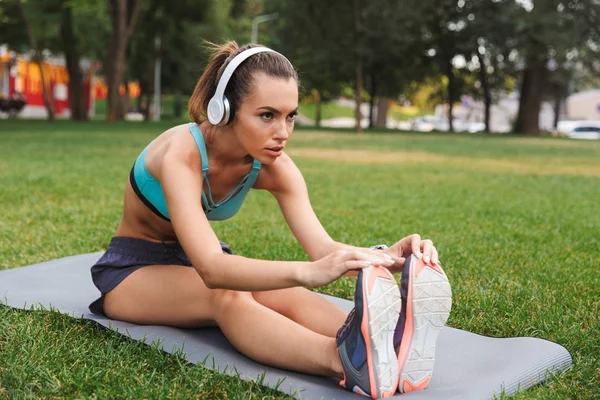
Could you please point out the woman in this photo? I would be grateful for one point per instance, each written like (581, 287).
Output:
(166, 266)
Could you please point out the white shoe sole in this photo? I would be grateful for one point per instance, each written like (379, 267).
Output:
(382, 303)
(428, 308)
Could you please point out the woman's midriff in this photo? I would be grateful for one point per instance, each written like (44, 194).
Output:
(140, 222)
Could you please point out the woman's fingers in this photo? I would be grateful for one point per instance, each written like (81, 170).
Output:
(373, 257)
(427, 246)
(415, 244)
(435, 259)
(398, 265)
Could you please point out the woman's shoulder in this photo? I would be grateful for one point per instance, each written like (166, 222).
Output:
(275, 176)
(176, 143)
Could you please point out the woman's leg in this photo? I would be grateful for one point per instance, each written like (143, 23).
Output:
(176, 296)
(307, 308)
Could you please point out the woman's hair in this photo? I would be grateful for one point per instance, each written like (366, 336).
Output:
(240, 84)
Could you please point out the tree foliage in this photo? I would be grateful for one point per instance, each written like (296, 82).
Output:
(482, 48)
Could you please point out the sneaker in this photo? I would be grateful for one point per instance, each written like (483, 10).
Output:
(366, 340)
(426, 303)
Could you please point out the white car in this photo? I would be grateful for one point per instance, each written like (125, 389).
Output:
(585, 131)
(567, 125)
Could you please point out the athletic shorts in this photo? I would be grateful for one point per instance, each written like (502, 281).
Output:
(125, 255)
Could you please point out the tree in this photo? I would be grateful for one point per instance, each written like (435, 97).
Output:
(445, 37)
(547, 30)
(123, 17)
(70, 48)
(392, 53)
(37, 59)
(491, 32)
(320, 54)
(176, 28)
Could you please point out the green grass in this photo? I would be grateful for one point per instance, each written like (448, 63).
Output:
(328, 110)
(515, 219)
(333, 110)
(166, 104)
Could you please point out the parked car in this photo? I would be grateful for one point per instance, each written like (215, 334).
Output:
(567, 125)
(585, 131)
(426, 123)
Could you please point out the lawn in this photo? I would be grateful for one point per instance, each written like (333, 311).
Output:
(334, 110)
(516, 221)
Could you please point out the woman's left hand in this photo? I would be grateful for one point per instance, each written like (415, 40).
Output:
(412, 245)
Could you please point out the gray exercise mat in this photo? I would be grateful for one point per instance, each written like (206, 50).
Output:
(467, 366)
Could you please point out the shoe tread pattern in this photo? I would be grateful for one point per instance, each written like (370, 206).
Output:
(384, 310)
(431, 302)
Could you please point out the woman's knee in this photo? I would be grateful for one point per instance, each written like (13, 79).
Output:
(283, 300)
(224, 299)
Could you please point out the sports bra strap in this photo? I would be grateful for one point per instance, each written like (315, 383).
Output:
(199, 139)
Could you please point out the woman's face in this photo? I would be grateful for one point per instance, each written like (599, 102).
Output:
(266, 117)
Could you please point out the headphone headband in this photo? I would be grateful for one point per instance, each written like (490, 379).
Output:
(218, 106)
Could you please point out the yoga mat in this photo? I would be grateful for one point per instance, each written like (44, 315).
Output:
(467, 366)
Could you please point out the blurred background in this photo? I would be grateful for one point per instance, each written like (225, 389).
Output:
(523, 66)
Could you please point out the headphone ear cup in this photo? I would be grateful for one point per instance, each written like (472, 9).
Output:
(215, 111)
(227, 112)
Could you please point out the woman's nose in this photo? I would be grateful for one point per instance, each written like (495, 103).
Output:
(281, 132)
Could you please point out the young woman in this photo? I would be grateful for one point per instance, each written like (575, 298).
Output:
(165, 265)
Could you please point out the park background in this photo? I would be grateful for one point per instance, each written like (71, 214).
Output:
(515, 214)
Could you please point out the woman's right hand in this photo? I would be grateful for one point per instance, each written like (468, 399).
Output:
(338, 263)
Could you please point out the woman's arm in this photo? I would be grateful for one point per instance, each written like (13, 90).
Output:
(287, 184)
(181, 180)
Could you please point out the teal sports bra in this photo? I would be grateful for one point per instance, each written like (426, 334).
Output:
(151, 194)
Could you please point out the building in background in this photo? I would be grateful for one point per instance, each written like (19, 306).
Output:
(584, 105)
(20, 77)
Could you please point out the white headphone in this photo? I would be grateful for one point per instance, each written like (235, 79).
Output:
(219, 108)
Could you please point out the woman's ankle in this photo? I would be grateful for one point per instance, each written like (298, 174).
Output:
(337, 371)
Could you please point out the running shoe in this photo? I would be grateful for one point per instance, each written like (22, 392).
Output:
(426, 303)
(366, 340)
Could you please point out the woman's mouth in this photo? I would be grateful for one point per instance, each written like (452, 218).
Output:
(275, 151)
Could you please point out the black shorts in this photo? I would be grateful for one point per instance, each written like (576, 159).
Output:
(125, 255)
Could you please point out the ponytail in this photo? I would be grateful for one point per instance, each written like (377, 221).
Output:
(207, 84)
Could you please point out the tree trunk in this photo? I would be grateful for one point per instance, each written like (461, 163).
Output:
(124, 15)
(37, 58)
(151, 91)
(451, 94)
(111, 55)
(359, 71)
(318, 109)
(177, 105)
(487, 97)
(382, 111)
(372, 95)
(76, 92)
(125, 101)
(530, 101)
(558, 102)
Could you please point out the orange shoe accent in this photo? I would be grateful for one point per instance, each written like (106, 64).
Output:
(391, 393)
(343, 381)
(437, 268)
(380, 272)
(420, 266)
(364, 329)
(409, 387)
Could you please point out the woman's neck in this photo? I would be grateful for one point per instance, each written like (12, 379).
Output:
(223, 146)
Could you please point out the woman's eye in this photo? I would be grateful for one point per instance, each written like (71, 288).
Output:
(293, 115)
(267, 116)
